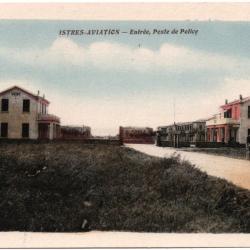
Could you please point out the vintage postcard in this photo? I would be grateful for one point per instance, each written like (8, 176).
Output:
(125, 125)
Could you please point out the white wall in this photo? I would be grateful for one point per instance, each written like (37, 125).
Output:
(244, 122)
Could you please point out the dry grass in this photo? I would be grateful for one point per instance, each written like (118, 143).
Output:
(60, 186)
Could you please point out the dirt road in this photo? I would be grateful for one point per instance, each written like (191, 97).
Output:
(235, 170)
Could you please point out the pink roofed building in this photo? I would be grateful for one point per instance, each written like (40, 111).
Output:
(231, 124)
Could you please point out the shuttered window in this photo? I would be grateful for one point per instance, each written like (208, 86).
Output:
(26, 105)
(5, 105)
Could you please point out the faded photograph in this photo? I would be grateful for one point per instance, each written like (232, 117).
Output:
(124, 126)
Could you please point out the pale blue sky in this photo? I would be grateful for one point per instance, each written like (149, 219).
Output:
(107, 81)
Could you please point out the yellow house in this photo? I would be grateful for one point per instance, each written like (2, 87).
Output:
(24, 115)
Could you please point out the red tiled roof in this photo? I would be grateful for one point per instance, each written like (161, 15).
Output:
(36, 97)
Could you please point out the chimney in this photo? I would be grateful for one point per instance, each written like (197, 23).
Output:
(38, 93)
(226, 101)
(241, 97)
(43, 96)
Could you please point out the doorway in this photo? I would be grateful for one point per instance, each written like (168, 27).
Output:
(43, 131)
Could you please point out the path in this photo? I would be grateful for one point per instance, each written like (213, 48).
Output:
(234, 170)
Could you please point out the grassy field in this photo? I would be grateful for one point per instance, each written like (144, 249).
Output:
(238, 153)
(69, 187)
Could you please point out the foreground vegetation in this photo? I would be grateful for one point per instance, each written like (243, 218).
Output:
(75, 187)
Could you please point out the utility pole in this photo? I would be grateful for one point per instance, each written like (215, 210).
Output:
(175, 134)
(174, 110)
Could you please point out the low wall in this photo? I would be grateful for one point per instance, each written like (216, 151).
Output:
(209, 144)
(171, 144)
(199, 144)
(83, 141)
(218, 145)
(139, 141)
(164, 143)
(98, 141)
(19, 141)
(73, 137)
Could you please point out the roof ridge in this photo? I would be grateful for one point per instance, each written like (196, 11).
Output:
(23, 90)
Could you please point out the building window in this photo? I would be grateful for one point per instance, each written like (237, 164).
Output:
(248, 111)
(26, 105)
(44, 109)
(25, 130)
(4, 130)
(248, 136)
(5, 105)
(228, 114)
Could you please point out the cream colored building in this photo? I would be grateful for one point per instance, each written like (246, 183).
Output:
(24, 115)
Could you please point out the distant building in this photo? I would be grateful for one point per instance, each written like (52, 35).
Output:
(74, 132)
(137, 135)
(231, 124)
(181, 134)
(24, 115)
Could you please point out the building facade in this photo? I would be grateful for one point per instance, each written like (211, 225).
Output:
(24, 115)
(142, 135)
(181, 134)
(231, 124)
